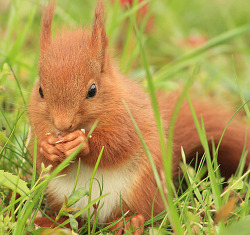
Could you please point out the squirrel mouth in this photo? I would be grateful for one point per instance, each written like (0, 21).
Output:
(60, 134)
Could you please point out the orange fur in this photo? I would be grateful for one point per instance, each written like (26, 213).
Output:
(74, 60)
(215, 119)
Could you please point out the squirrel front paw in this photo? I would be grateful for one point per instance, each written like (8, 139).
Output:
(58, 149)
(48, 149)
(71, 142)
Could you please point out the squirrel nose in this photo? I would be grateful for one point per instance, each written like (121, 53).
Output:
(62, 124)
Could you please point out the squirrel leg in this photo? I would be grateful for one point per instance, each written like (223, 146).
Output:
(71, 142)
(45, 222)
(135, 222)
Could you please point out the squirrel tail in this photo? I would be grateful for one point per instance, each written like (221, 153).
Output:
(235, 141)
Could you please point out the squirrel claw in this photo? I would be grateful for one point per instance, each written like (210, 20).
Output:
(59, 141)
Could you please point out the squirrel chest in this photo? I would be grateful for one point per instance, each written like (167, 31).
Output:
(116, 183)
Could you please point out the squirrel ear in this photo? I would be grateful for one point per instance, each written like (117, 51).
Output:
(45, 38)
(99, 38)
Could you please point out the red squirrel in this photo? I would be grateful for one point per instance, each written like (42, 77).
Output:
(79, 84)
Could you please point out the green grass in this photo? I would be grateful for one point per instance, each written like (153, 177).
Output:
(163, 57)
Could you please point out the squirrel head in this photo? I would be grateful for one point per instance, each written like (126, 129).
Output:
(77, 82)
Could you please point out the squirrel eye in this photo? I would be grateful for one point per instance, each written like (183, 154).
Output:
(41, 92)
(92, 91)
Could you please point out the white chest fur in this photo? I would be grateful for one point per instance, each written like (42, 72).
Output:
(117, 182)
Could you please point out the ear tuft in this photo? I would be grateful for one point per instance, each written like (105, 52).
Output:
(47, 17)
(99, 15)
(99, 37)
